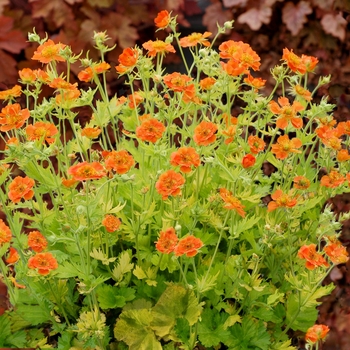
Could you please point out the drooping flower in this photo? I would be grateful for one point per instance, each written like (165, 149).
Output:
(88, 73)
(134, 99)
(43, 263)
(194, 39)
(332, 180)
(256, 144)
(42, 76)
(281, 200)
(343, 128)
(231, 202)
(27, 76)
(185, 158)
(176, 81)
(150, 130)
(111, 223)
(301, 182)
(310, 62)
(256, 83)
(294, 62)
(127, 60)
(13, 117)
(343, 155)
(287, 113)
(91, 133)
(12, 256)
(316, 333)
(170, 184)
(167, 241)
(298, 90)
(233, 68)
(205, 133)
(120, 161)
(36, 241)
(312, 257)
(42, 131)
(158, 46)
(48, 52)
(5, 233)
(87, 171)
(207, 83)
(11, 94)
(21, 187)
(188, 245)
(285, 146)
(336, 252)
(162, 20)
(329, 136)
(248, 161)
(69, 183)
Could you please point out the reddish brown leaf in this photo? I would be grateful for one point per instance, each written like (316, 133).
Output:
(11, 40)
(101, 3)
(8, 72)
(3, 3)
(294, 16)
(231, 3)
(56, 10)
(255, 17)
(335, 25)
(215, 14)
(323, 4)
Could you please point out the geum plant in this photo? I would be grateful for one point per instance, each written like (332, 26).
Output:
(154, 225)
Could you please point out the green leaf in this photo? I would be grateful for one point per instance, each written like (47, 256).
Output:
(5, 326)
(133, 328)
(299, 317)
(42, 175)
(99, 255)
(176, 301)
(64, 341)
(112, 297)
(123, 267)
(67, 270)
(34, 314)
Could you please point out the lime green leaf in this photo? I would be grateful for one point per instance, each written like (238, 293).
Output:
(34, 314)
(99, 255)
(231, 320)
(139, 273)
(67, 270)
(124, 266)
(133, 328)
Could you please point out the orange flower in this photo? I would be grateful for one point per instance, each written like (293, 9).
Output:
(194, 39)
(189, 94)
(5, 233)
(343, 155)
(207, 83)
(303, 93)
(101, 67)
(21, 187)
(316, 333)
(17, 285)
(329, 136)
(87, 171)
(111, 223)
(281, 200)
(167, 241)
(287, 113)
(240, 53)
(333, 179)
(91, 133)
(158, 46)
(285, 146)
(256, 83)
(13, 256)
(11, 93)
(336, 252)
(48, 52)
(248, 161)
(343, 128)
(205, 133)
(162, 20)
(313, 259)
(42, 131)
(13, 117)
(301, 182)
(256, 144)
(127, 59)
(69, 182)
(42, 76)
(86, 74)
(119, 161)
(27, 76)
(295, 63)
(43, 262)
(36, 241)
(169, 184)
(12, 141)
(176, 81)
(135, 99)
(231, 202)
(188, 245)
(310, 62)
(185, 157)
(230, 133)
(233, 68)
(61, 84)
(150, 130)
(66, 98)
